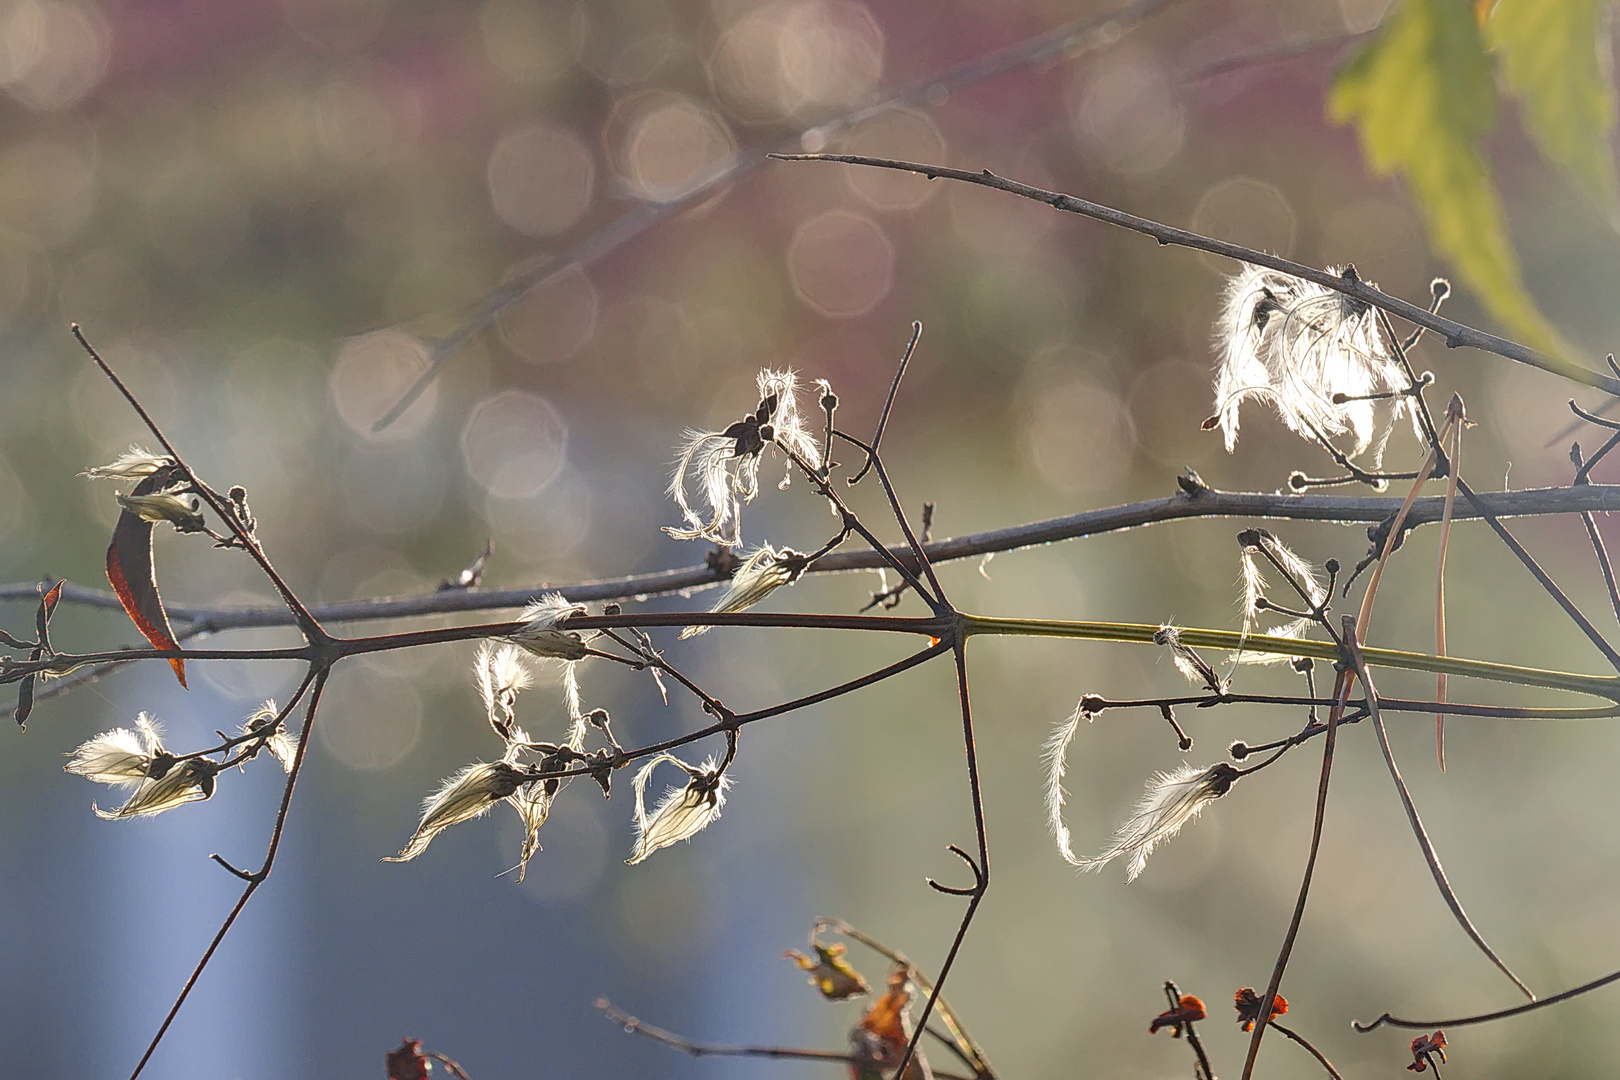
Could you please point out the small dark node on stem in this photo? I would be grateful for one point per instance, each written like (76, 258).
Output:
(927, 522)
(1092, 704)
(1239, 750)
(723, 561)
(1190, 482)
(1183, 740)
(613, 609)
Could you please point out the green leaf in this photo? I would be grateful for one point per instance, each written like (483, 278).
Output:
(1420, 94)
(1555, 58)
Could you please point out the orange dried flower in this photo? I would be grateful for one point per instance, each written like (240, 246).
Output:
(830, 972)
(1247, 1003)
(408, 1062)
(1186, 1011)
(1425, 1048)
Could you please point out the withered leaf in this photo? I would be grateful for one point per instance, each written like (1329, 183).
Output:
(25, 696)
(408, 1062)
(134, 578)
(13, 643)
(880, 1039)
(42, 617)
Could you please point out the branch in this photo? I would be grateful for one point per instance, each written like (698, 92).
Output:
(1455, 333)
(1340, 692)
(1355, 655)
(1202, 502)
(634, 1026)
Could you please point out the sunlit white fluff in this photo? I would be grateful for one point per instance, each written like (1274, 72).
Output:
(179, 508)
(1056, 756)
(540, 633)
(533, 806)
(278, 742)
(463, 796)
(1296, 344)
(501, 674)
(683, 812)
(1254, 587)
(762, 573)
(1171, 800)
(726, 470)
(120, 757)
(186, 781)
(136, 463)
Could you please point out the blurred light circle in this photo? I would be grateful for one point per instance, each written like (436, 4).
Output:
(369, 720)
(364, 120)
(1125, 110)
(527, 44)
(544, 527)
(540, 179)
(841, 263)
(744, 68)
(514, 444)
(797, 56)
(47, 189)
(1079, 435)
(338, 25)
(371, 373)
(1360, 16)
(1243, 210)
(830, 54)
(1169, 401)
(623, 42)
(554, 320)
(894, 133)
(674, 147)
(52, 54)
(391, 490)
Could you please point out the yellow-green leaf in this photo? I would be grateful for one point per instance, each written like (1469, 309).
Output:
(1420, 94)
(1555, 59)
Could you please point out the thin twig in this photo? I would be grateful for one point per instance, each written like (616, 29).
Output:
(1456, 334)
(1341, 691)
(306, 622)
(1314, 1052)
(1486, 1018)
(634, 1026)
(1358, 661)
(254, 880)
(981, 872)
(1592, 633)
(1173, 993)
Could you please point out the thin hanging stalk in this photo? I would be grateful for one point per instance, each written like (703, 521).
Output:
(1456, 418)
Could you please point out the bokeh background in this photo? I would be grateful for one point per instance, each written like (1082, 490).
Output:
(263, 211)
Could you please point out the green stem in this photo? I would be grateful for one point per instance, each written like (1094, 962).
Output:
(1603, 686)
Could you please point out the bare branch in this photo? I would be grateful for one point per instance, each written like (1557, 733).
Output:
(1202, 502)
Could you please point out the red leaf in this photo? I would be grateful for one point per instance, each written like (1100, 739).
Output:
(134, 579)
